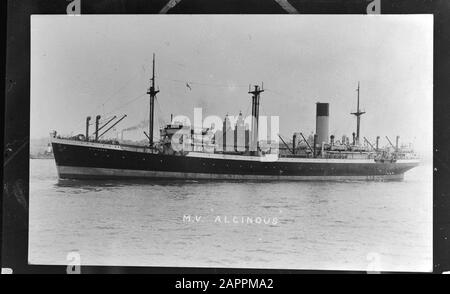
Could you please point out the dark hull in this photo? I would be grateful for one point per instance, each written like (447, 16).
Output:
(94, 161)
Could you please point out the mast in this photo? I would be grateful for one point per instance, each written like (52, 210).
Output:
(254, 144)
(358, 114)
(152, 92)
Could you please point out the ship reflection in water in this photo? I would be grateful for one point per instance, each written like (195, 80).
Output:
(320, 225)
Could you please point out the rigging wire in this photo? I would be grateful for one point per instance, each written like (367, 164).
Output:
(280, 93)
(161, 120)
(126, 103)
(117, 91)
(110, 112)
(160, 124)
(246, 111)
(187, 82)
(111, 96)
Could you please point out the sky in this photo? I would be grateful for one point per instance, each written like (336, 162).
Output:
(92, 64)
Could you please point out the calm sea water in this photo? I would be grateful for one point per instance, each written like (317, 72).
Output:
(303, 225)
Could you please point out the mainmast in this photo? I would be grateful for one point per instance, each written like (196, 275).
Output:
(358, 114)
(254, 145)
(152, 92)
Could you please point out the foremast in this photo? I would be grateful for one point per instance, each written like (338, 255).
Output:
(152, 93)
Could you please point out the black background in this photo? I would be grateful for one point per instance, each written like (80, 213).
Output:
(14, 201)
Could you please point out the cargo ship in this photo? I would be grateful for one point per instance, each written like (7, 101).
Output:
(185, 152)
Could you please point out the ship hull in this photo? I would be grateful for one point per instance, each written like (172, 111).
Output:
(86, 160)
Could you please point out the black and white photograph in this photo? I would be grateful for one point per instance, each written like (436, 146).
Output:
(238, 141)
